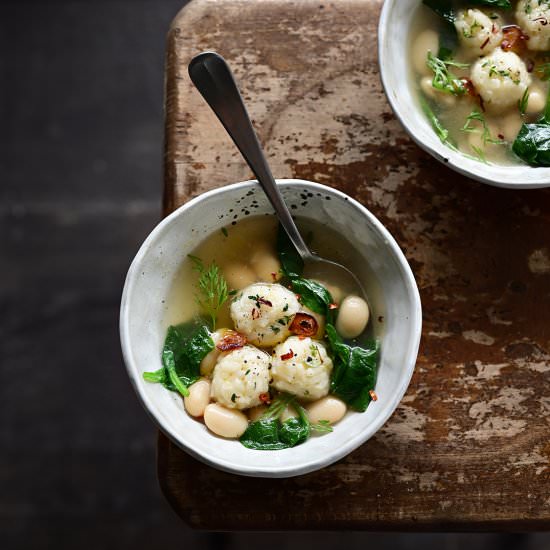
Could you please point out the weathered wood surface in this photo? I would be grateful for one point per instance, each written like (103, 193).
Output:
(469, 446)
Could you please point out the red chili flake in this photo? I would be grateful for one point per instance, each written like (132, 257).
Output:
(373, 395)
(542, 20)
(287, 356)
(264, 301)
(298, 296)
(501, 136)
(304, 325)
(231, 340)
(380, 318)
(274, 275)
(265, 398)
(255, 314)
(333, 306)
(514, 39)
(485, 43)
(530, 65)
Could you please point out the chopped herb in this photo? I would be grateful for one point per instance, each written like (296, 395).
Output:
(285, 308)
(247, 372)
(443, 79)
(523, 102)
(212, 289)
(224, 231)
(479, 154)
(486, 137)
(441, 132)
(233, 397)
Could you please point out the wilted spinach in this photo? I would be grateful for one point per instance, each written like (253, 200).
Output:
(184, 348)
(355, 369)
(312, 294)
(268, 433)
(292, 264)
(532, 144)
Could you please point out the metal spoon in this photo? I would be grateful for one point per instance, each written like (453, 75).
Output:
(214, 80)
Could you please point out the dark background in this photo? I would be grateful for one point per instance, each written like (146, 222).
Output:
(81, 93)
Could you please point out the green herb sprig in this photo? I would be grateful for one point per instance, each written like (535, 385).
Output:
(212, 288)
(443, 79)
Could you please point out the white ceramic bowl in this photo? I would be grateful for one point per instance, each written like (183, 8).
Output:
(393, 52)
(389, 283)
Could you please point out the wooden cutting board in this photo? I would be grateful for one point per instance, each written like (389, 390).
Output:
(469, 446)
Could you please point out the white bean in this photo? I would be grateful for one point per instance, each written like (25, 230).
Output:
(238, 275)
(536, 102)
(255, 412)
(224, 422)
(426, 41)
(198, 398)
(265, 264)
(328, 408)
(510, 125)
(353, 316)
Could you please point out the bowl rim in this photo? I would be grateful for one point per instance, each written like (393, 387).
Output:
(316, 463)
(438, 150)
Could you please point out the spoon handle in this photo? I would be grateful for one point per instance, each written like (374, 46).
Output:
(214, 80)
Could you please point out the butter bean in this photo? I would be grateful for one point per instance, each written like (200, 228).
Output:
(198, 398)
(229, 423)
(265, 265)
(238, 275)
(327, 408)
(353, 316)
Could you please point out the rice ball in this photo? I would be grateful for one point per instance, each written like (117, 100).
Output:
(477, 32)
(302, 367)
(500, 79)
(533, 16)
(263, 312)
(240, 377)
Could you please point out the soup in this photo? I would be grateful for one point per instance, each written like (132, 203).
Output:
(258, 352)
(481, 70)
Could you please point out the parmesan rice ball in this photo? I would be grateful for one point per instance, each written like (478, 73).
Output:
(501, 80)
(302, 367)
(477, 32)
(533, 16)
(263, 313)
(240, 377)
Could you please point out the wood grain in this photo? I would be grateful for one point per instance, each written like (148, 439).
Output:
(468, 447)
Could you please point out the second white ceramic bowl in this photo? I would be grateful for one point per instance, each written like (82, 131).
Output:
(385, 273)
(394, 60)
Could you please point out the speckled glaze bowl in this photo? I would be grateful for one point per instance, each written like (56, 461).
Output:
(393, 55)
(385, 273)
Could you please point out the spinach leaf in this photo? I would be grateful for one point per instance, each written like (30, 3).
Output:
(503, 4)
(184, 348)
(355, 368)
(313, 295)
(268, 433)
(443, 8)
(263, 435)
(532, 144)
(296, 430)
(292, 264)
